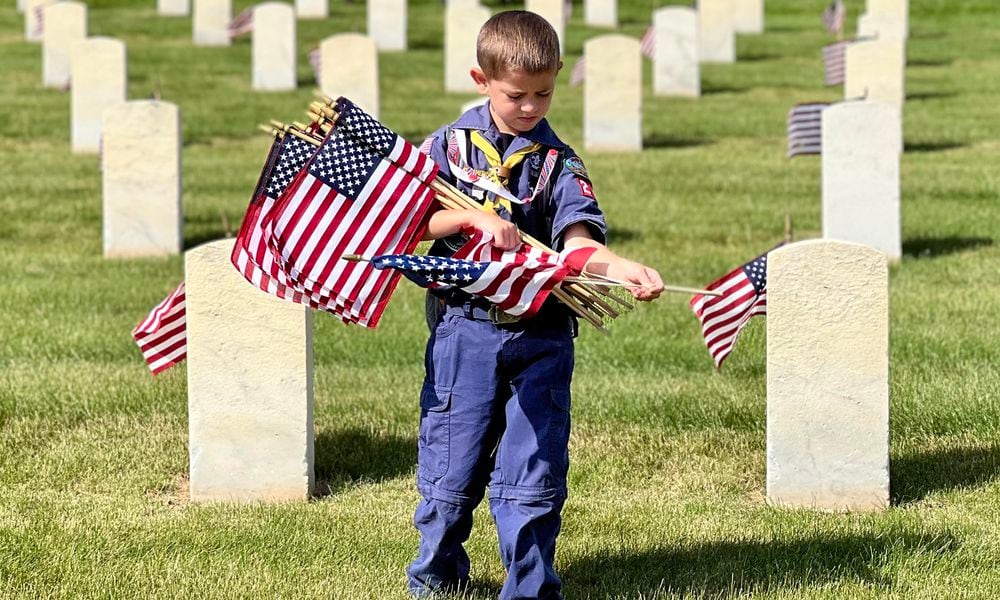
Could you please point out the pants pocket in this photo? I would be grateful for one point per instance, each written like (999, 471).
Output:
(433, 443)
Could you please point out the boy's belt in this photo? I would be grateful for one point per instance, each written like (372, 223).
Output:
(552, 315)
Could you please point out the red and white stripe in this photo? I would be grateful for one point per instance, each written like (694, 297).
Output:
(722, 317)
(647, 45)
(545, 173)
(162, 336)
(314, 226)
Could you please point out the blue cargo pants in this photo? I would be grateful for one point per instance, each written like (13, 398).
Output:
(494, 410)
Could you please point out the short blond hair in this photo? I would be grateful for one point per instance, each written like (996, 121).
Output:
(517, 40)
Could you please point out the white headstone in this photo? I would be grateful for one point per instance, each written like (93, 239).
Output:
(882, 27)
(899, 9)
(65, 25)
(716, 35)
(861, 144)
(612, 99)
(312, 9)
(349, 67)
(600, 13)
(875, 70)
(676, 71)
(211, 22)
(828, 376)
(748, 16)
(274, 47)
(387, 24)
(462, 23)
(33, 22)
(98, 72)
(141, 176)
(250, 382)
(20, 5)
(172, 8)
(553, 11)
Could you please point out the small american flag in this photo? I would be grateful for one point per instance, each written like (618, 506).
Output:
(241, 23)
(722, 317)
(39, 29)
(805, 129)
(316, 62)
(365, 191)
(834, 62)
(579, 72)
(833, 17)
(517, 282)
(162, 336)
(647, 45)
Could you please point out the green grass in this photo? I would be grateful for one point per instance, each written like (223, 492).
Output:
(667, 482)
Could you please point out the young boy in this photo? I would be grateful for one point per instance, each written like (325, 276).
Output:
(496, 398)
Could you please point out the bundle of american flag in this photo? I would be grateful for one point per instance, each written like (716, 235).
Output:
(346, 186)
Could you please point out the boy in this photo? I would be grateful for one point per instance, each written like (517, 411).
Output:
(495, 401)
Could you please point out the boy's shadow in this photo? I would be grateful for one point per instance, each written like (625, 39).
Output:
(347, 456)
(916, 475)
(726, 569)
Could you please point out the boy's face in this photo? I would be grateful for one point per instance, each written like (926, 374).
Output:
(518, 100)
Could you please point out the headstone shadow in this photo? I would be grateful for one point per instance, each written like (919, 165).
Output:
(919, 96)
(934, 247)
(708, 89)
(929, 62)
(919, 474)
(932, 146)
(660, 140)
(731, 569)
(347, 456)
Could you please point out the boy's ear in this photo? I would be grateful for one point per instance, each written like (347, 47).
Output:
(559, 68)
(480, 78)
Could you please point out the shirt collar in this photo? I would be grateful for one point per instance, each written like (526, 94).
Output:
(479, 118)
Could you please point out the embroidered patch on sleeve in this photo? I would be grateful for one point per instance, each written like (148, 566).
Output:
(585, 188)
(574, 165)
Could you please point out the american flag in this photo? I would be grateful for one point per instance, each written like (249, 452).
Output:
(647, 47)
(834, 62)
(517, 282)
(579, 72)
(365, 191)
(39, 29)
(241, 23)
(744, 294)
(316, 62)
(833, 17)
(252, 255)
(805, 129)
(162, 336)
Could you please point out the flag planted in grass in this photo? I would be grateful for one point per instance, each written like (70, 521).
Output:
(365, 191)
(744, 295)
(833, 17)
(805, 129)
(241, 24)
(516, 281)
(162, 336)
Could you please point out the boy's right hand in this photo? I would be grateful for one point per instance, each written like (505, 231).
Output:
(505, 234)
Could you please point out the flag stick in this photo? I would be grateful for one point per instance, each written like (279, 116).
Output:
(666, 288)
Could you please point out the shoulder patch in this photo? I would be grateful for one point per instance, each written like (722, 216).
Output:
(575, 166)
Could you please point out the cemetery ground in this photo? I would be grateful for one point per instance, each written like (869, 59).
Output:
(667, 478)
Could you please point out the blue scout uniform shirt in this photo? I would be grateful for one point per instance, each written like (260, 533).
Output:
(568, 198)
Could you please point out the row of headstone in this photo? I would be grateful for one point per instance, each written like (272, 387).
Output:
(65, 26)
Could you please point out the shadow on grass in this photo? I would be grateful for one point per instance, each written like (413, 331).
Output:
(934, 247)
(932, 146)
(918, 96)
(917, 475)
(623, 234)
(734, 569)
(660, 140)
(710, 89)
(347, 456)
(932, 62)
(757, 57)
(202, 237)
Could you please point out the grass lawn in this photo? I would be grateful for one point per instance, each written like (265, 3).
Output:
(667, 484)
